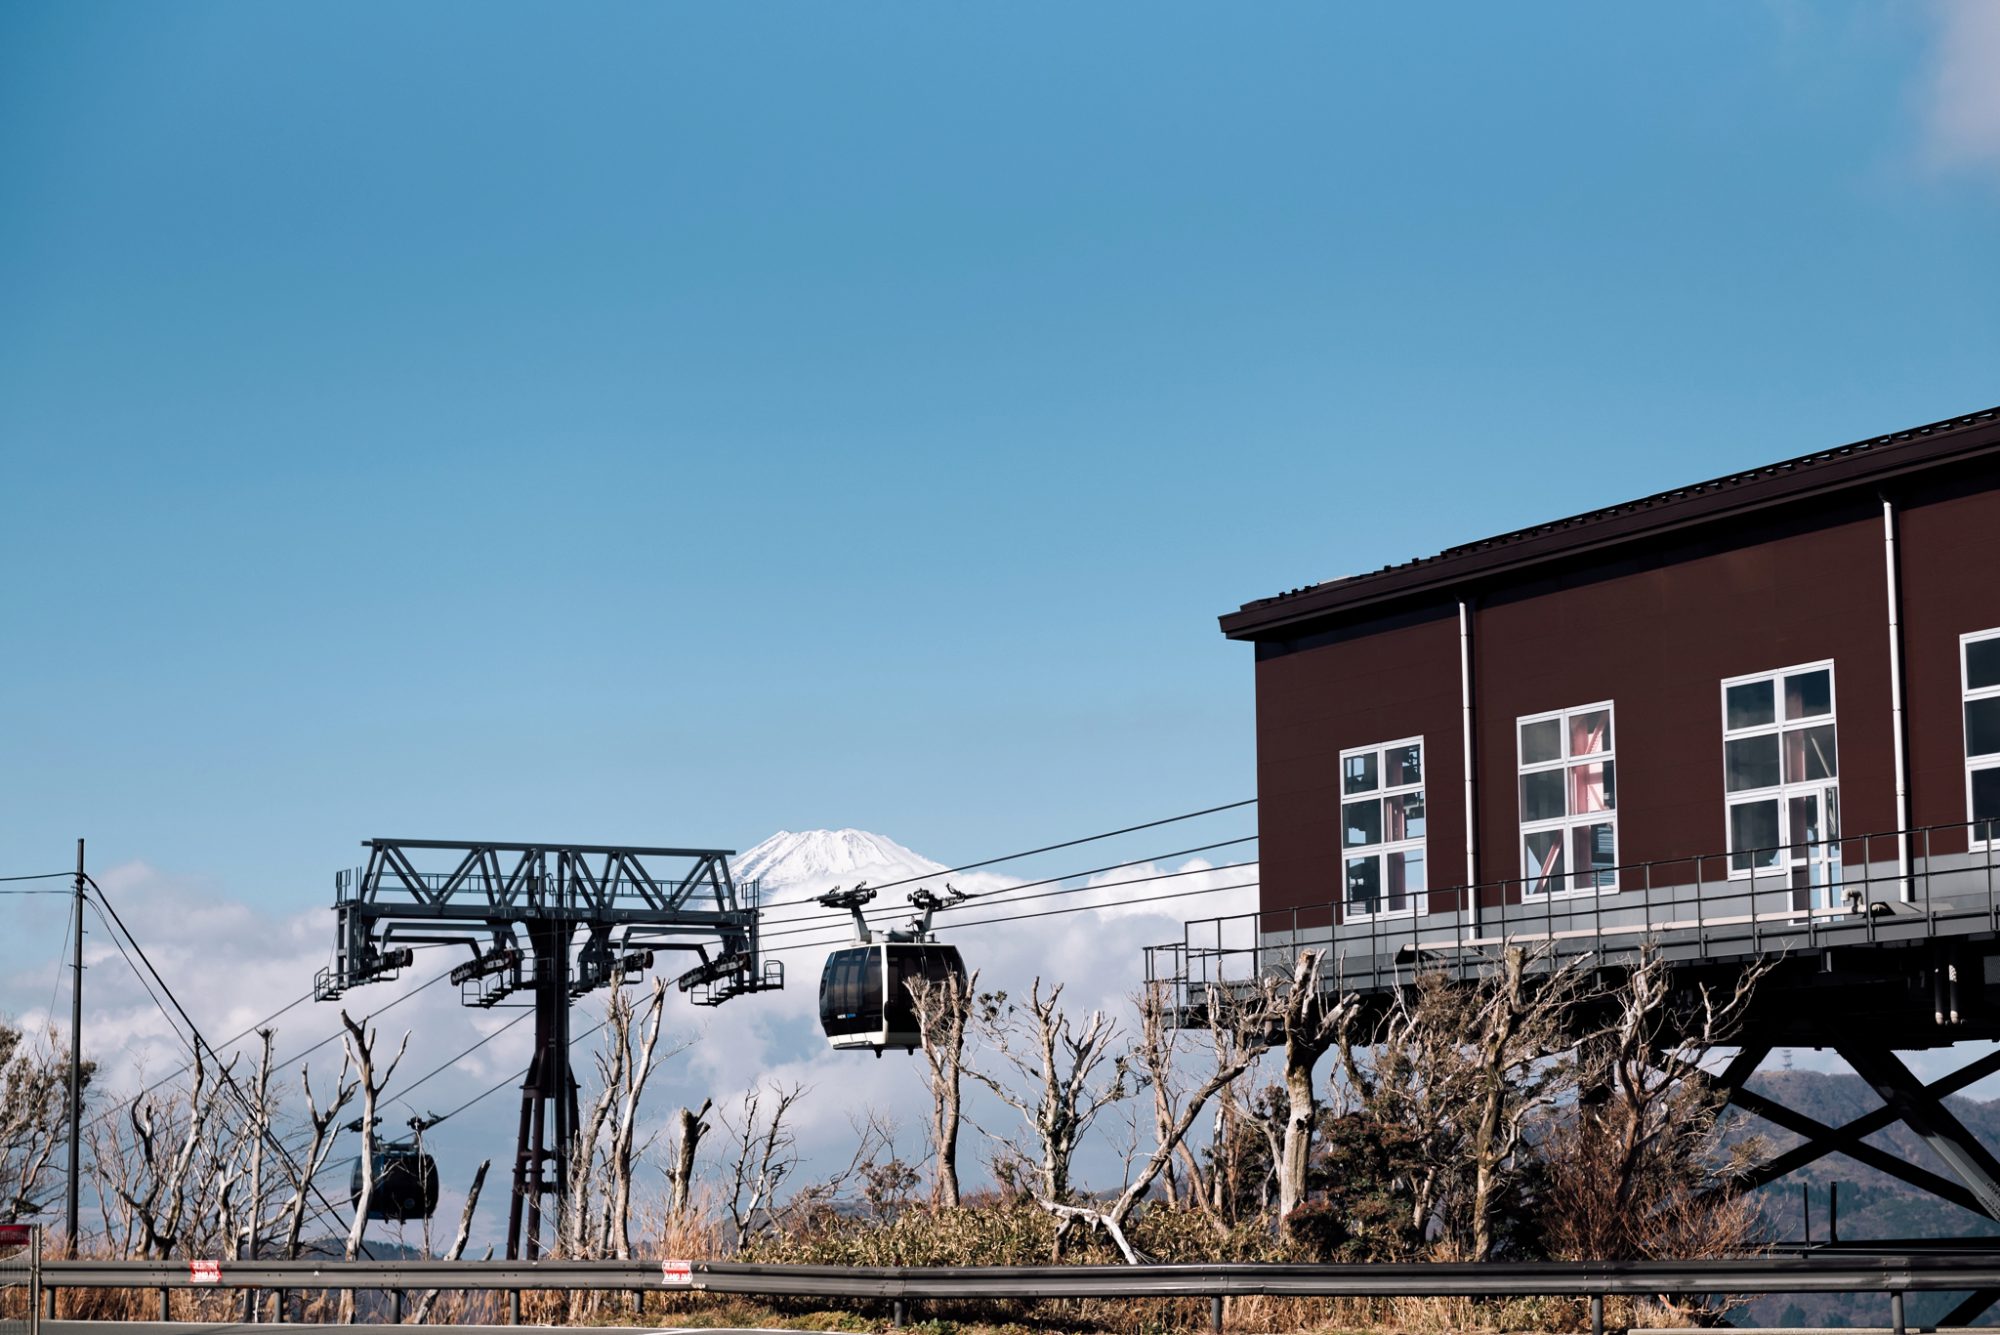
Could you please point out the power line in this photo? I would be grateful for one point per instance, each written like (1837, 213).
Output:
(222, 1071)
(1049, 848)
(281, 1061)
(62, 955)
(327, 1209)
(40, 876)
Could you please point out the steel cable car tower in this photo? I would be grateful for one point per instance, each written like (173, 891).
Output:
(520, 910)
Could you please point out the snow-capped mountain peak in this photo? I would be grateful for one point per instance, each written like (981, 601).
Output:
(820, 860)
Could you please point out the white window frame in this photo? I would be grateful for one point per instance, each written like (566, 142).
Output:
(1569, 821)
(1784, 790)
(1974, 764)
(1382, 848)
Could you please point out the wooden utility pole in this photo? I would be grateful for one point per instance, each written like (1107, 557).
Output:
(75, 1056)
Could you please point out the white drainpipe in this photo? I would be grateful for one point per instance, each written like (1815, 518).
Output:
(1890, 565)
(1465, 712)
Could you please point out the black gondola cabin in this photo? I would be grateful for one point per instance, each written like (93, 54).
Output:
(864, 994)
(406, 1184)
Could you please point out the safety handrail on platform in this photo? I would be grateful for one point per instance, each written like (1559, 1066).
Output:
(1862, 889)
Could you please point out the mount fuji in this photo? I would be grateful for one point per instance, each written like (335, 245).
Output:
(815, 861)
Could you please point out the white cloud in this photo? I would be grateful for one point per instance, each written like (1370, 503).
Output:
(1963, 108)
(232, 963)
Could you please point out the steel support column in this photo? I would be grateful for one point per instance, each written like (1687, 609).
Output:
(547, 1134)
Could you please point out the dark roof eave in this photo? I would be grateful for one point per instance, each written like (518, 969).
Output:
(1862, 464)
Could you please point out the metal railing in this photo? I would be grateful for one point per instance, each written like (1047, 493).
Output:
(1900, 885)
(1891, 1275)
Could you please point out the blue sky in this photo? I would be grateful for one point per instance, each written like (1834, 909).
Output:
(674, 423)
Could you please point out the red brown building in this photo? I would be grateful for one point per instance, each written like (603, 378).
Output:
(1750, 719)
(1730, 682)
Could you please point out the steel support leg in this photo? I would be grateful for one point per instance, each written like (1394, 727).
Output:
(1926, 1114)
(1819, 1132)
(1971, 1308)
(1840, 1139)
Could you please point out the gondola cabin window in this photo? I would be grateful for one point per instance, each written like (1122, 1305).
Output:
(851, 991)
(1382, 828)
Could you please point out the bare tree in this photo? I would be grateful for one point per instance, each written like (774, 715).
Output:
(1311, 1018)
(874, 1138)
(763, 1154)
(1065, 1065)
(243, 1222)
(944, 1013)
(422, 1311)
(1158, 1052)
(690, 1125)
(1460, 1071)
(574, 1229)
(623, 1150)
(360, 1046)
(1518, 1026)
(1638, 1170)
(598, 1209)
(324, 1123)
(34, 1100)
(176, 1165)
(1248, 1020)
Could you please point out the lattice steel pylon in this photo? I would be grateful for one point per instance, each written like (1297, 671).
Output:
(556, 920)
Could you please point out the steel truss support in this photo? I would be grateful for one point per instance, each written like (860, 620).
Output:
(1925, 1113)
(1906, 1099)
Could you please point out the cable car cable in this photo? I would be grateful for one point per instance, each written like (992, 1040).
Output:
(1045, 894)
(510, 1080)
(402, 1096)
(1049, 848)
(1045, 913)
(1049, 880)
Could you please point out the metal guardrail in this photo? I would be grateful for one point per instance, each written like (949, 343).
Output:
(1763, 1274)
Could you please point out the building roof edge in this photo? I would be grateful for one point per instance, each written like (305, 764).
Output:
(1859, 463)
